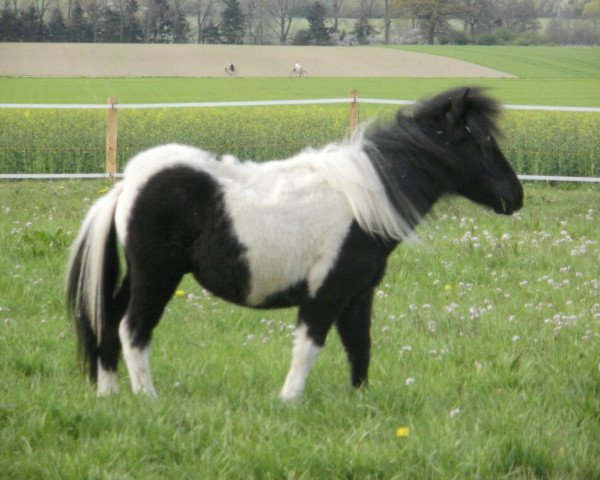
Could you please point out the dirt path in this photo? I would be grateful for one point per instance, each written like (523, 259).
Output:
(142, 60)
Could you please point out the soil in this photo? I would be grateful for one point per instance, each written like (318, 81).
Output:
(142, 60)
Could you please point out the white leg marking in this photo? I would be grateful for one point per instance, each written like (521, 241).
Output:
(107, 381)
(138, 363)
(304, 356)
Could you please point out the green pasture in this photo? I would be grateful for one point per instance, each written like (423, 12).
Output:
(564, 76)
(486, 339)
(524, 62)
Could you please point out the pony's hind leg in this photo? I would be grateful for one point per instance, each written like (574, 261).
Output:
(108, 361)
(149, 296)
(109, 347)
(137, 359)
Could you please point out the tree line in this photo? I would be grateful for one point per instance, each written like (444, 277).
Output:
(270, 21)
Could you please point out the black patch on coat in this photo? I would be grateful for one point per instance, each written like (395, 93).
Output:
(179, 225)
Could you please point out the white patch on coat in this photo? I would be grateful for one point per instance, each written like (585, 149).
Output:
(108, 381)
(291, 216)
(291, 222)
(138, 363)
(304, 356)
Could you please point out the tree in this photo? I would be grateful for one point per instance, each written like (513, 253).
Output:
(41, 7)
(592, 11)
(387, 20)
(232, 23)
(256, 21)
(336, 8)
(363, 30)
(31, 25)
(211, 33)
(57, 27)
(10, 28)
(109, 30)
(130, 28)
(158, 22)
(284, 11)
(79, 26)
(518, 15)
(203, 10)
(316, 16)
(431, 15)
(95, 9)
(181, 27)
(478, 16)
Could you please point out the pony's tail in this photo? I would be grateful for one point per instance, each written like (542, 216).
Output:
(92, 278)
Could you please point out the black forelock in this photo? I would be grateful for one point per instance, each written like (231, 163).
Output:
(480, 110)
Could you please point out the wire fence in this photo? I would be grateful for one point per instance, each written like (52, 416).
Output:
(38, 145)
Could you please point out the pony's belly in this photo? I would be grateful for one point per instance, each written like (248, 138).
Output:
(287, 273)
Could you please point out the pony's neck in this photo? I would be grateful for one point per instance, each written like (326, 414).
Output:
(412, 167)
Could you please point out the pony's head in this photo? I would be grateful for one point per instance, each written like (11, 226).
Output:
(463, 121)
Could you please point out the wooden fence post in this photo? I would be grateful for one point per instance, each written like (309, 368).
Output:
(354, 112)
(111, 138)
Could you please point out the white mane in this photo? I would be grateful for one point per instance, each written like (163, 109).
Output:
(348, 169)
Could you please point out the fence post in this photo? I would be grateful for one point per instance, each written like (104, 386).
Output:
(354, 112)
(111, 138)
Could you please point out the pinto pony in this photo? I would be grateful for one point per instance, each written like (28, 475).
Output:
(312, 231)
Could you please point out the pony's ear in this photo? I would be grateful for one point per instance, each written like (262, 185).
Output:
(457, 108)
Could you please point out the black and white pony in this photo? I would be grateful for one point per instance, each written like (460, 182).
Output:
(312, 231)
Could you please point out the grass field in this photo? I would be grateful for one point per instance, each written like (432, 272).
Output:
(486, 347)
(547, 76)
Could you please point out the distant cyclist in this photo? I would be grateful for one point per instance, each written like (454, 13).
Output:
(230, 69)
(298, 70)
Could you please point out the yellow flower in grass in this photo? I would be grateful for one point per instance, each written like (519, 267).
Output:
(403, 432)
(180, 293)
(447, 287)
(104, 190)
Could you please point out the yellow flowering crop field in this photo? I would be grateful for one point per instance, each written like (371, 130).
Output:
(73, 141)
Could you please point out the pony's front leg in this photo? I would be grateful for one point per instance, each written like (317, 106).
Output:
(304, 356)
(354, 324)
(315, 320)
